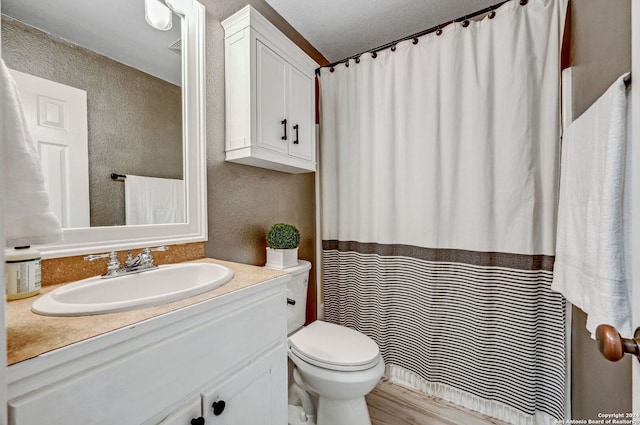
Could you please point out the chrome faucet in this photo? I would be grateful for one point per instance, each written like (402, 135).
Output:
(142, 262)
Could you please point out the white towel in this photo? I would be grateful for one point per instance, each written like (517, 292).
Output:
(28, 217)
(592, 245)
(152, 200)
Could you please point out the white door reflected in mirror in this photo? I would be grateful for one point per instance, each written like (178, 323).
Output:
(56, 115)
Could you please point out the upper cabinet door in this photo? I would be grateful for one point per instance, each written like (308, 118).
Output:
(301, 113)
(272, 132)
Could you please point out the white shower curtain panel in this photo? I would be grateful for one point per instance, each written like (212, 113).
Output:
(439, 169)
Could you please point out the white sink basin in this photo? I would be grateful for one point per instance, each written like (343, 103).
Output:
(163, 285)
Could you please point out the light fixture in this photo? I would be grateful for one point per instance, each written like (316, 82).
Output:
(158, 15)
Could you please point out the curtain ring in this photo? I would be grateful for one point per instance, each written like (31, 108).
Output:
(358, 59)
(465, 23)
(523, 2)
(346, 64)
(331, 69)
(374, 55)
(415, 41)
(393, 48)
(492, 14)
(439, 32)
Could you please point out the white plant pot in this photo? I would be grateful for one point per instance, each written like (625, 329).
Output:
(282, 258)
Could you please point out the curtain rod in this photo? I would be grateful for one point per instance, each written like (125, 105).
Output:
(464, 20)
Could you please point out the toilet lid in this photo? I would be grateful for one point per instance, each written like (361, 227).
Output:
(334, 347)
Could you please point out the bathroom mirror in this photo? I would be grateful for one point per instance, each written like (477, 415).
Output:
(184, 162)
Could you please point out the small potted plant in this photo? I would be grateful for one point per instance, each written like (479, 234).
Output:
(282, 246)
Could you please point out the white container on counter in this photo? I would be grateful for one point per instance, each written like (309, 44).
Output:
(22, 272)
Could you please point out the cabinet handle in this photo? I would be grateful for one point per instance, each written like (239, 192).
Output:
(197, 421)
(284, 123)
(295, 127)
(218, 407)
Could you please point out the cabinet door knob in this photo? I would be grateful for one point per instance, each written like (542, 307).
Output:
(295, 127)
(218, 407)
(284, 123)
(197, 421)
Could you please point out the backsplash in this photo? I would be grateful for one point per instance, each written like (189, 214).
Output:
(69, 269)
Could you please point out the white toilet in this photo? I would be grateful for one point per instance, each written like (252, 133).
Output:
(335, 366)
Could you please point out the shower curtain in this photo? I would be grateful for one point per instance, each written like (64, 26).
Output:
(439, 170)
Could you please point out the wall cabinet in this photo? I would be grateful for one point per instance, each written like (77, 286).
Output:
(269, 96)
(169, 370)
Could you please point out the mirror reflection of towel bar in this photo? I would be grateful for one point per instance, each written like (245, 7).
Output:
(115, 176)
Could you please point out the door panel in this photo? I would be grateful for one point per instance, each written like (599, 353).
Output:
(57, 118)
(270, 98)
(301, 92)
(254, 395)
(635, 186)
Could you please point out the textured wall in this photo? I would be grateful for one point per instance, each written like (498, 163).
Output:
(135, 120)
(600, 53)
(245, 201)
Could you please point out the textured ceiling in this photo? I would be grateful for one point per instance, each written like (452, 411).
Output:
(114, 28)
(341, 28)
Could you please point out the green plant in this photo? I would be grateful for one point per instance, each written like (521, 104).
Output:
(283, 236)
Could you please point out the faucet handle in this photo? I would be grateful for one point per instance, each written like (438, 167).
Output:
(112, 266)
(93, 257)
(147, 258)
(159, 248)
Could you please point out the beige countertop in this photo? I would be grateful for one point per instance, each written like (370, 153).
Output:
(30, 335)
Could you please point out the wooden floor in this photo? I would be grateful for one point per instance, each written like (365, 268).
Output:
(390, 404)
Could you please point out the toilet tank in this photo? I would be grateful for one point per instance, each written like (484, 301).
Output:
(297, 291)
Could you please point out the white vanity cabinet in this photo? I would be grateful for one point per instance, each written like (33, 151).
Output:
(269, 96)
(168, 370)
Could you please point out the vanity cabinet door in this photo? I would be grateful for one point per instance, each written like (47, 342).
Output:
(188, 414)
(254, 395)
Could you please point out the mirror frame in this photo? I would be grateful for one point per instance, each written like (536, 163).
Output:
(79, 241)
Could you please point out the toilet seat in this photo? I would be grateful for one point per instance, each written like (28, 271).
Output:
(334, 347)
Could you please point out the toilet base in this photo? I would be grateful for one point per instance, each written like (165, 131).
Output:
(297, 416)
(343, 412)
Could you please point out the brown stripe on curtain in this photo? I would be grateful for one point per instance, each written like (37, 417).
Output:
(474, 258)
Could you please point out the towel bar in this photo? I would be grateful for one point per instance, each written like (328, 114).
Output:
(613, 347)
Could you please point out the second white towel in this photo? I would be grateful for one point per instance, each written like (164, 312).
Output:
(151, 200)
(592, 248)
